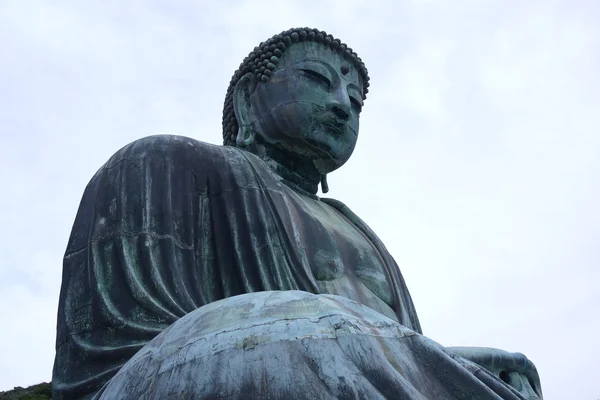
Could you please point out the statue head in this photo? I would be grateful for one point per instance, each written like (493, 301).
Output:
(301, 92)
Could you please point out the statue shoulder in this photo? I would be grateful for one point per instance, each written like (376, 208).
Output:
(178, 152)
(169, 146)
(355, 219)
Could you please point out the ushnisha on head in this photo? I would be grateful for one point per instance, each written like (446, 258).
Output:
(300, 92)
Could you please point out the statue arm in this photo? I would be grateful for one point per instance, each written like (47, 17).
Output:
(156, 237)
(135, 261)
(513, 368)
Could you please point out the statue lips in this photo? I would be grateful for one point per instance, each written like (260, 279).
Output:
(334, 126)
(332, 123)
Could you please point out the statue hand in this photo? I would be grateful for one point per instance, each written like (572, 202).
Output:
(513, 368)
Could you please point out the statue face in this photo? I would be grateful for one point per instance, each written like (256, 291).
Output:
(311, 105)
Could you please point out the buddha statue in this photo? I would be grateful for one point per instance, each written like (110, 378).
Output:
(199, 271)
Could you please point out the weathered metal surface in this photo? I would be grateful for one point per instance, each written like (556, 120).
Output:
(169, 226)
(297, 345)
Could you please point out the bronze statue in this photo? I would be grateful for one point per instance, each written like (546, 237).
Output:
(261, 289)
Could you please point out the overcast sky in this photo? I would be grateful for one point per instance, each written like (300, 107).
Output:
(478, 162)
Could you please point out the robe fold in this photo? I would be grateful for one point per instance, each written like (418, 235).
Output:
(166, 226)
(286, 345)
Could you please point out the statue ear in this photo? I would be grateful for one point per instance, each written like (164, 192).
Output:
(242, 108)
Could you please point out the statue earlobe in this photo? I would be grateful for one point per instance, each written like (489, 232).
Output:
(242, 108)
(324, 184)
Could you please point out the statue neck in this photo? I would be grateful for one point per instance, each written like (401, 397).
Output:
(297, 172)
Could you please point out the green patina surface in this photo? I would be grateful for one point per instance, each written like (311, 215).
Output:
(170, 225)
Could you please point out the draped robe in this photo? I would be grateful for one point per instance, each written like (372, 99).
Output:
(170, 224)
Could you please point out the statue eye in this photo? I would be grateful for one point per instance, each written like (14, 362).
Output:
(356, 103)
(317, 76)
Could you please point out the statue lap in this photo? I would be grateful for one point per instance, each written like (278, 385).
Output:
(297, 345)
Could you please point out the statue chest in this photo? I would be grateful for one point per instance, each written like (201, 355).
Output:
(342, 259)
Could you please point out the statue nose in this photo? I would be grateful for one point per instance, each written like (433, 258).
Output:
(339, 103)
(341, 111)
